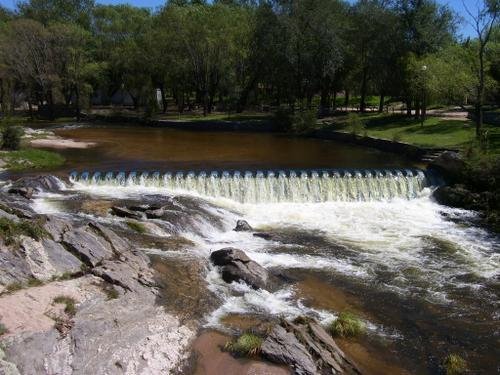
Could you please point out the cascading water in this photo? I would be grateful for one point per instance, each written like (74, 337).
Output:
(275, 186)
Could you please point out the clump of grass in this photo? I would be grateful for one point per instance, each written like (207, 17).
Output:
(3, 329)
(138, 227)
(13, 287)
(110, 291)
(347, 325)
(34, 282)
(355, 124)
(11, 137)
(11, 230)
(69, 302)
(454, 365)
(248, 344)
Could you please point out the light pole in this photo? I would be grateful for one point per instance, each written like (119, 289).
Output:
(423, 110)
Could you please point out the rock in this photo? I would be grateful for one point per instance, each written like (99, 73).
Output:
(46, 183)
(155, 213)
(26, 192)
(457, 196)
(237, 266)
(87, 246)
(119, 244)
(450, 164)
(264, 235)
(284, 348)
(8, 216)
(125, 212)
(242, 226)
(56, 226)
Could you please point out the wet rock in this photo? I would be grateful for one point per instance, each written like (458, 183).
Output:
(237, 266)
(157, 213)
(119, 244)
(125, 212)
(284, 348)
(26, 192)
(242, 226)
(450, 164)
(46, 183)
(264, 235)
(87, 246)
(457, 196)
(144, 207)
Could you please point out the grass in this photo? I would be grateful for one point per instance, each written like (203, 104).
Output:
(30, 158)
(69, 302)
(435, 133)
(138, 227)
(248, 344)
(11, 230)
(110, 291)
(3, 329)
(13, 287)
(454, 365)
(347, 325)
(217, 116)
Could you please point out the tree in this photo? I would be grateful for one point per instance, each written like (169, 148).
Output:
(51, 11)
(483, 20)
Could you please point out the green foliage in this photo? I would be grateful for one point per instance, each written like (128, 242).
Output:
(248, 344)
(355, 124)
(454, 364)
(33, 159)
(34, 282)
(11, 230)
(347, 325)
(283, 119)
(136, 226)
(69, 303)
(304, 121)
(13, 287)
(110, 291)
(11, 137)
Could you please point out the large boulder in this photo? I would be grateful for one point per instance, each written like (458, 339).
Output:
(450, 164)
(243, 226)
(125, 212)
(237, 266)
(87, 246)
(457, 196)
(284, 348)
(46, 183)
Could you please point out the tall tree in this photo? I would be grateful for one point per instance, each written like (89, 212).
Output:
(483, 19)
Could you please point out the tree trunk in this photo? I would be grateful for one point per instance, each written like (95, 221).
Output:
(381, 103)
(408, 107)
(30, 106)
(163, 98)
(77, 104)
(346, 99)
(480, 92)
(362, 103)
(50, 103)
(334, 107)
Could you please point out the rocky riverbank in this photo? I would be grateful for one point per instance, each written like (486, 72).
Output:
(78, 295)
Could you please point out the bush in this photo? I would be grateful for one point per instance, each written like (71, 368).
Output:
(347, 325)
(247, 344)
(11, 137)
(354, 124)
(11, 230)
(70, 303)
(283, 119)
(454, 365)
(304, 121)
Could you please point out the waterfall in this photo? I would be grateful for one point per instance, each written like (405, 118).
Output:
(274, 186)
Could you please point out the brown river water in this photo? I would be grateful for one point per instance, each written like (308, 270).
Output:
(422, 276)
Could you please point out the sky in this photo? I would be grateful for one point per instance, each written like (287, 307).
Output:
(457, 5)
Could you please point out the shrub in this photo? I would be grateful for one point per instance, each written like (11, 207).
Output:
(247, 344)
(11, 137)
(70, 303)
(454, 365)
(111, 292)
(354, 124)
(304, 121)
(34, 282)
(283, 119)
(138, 227)
(13, 287)
(347, 325)
(3, 329)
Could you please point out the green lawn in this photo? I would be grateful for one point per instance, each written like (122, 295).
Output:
(30, 158)
(216, 117)
(435, 133)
